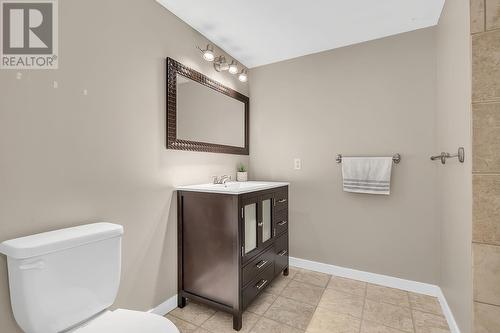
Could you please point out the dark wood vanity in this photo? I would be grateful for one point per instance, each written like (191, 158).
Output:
(231, 246)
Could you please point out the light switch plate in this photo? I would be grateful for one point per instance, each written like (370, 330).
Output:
(297, 164)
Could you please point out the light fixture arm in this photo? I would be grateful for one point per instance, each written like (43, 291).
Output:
(220, 63)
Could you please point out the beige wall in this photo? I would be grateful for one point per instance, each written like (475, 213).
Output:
(372, 98)
(454, 183)
(68, 159)
(485, 29)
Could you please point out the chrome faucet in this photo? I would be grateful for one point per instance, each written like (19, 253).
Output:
(224, 179)
(221, 180)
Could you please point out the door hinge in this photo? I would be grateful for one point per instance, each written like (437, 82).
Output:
(241, 212)
(242, 251)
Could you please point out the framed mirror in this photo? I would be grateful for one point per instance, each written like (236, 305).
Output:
(203, 115)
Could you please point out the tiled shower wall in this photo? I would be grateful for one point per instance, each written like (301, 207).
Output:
(485, 30)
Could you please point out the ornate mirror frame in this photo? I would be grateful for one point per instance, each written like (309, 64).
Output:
(174, 68)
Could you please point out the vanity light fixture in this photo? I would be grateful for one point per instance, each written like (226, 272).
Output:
(243, 76)
(220, 63)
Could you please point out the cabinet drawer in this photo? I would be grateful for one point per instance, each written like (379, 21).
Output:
(281, 252)
(281, 222)
(257, 286)
(258, 265)
(281, 200)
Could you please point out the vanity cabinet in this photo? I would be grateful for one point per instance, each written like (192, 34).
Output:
(231, 246)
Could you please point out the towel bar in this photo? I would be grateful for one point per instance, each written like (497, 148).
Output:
(396, 158)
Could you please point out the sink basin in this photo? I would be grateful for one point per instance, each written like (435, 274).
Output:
(232, 187)
(244, 185)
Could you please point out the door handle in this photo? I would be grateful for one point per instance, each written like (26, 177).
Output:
(282, 223)
(260, 224)
(282, 200)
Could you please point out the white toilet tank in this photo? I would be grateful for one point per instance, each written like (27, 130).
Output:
(61, 278)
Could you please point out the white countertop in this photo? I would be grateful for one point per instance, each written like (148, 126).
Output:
(232, 187)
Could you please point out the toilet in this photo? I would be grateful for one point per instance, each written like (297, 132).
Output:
(65, 281)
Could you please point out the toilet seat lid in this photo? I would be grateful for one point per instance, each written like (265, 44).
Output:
(128, 321)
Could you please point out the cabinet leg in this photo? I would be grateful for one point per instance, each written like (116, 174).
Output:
(237, 321)
(285, 272)
(181, 301)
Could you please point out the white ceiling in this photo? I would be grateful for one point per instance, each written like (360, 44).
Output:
(259, 32)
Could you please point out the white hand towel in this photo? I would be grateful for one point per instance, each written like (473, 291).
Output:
(367, 174)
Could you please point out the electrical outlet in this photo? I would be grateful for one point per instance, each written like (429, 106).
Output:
(297, 164)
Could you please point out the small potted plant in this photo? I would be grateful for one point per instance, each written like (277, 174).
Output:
(242, 174)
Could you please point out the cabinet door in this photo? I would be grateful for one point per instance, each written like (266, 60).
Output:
(266, 220)
(250, 217)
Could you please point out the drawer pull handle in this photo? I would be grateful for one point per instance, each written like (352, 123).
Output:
(261, 264)
(282, 253)
(282, 223)
(282, 200)
(261, 284)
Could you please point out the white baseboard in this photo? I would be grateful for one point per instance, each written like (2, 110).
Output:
(447, 312)
(384, 280)
(165, 307)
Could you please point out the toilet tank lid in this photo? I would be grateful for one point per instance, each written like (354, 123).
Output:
(57, 240)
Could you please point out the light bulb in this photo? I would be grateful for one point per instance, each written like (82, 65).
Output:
(243, 77)
(233, 69)
(208, 53)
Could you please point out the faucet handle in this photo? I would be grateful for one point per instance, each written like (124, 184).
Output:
(215, 179)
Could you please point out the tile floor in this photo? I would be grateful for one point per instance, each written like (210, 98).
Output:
(312, 302)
